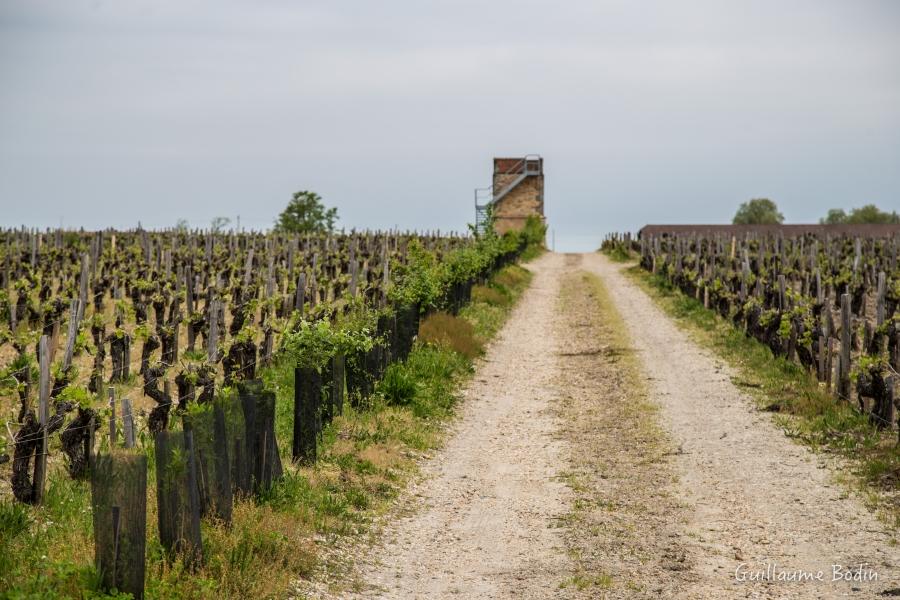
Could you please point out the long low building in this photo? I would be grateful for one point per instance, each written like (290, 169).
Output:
(792, 230)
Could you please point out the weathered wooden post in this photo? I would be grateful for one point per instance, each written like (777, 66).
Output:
(211, 449)
(846, 325)
(307, 384)
(127, 423)
(189, 306)
(354, 275)
(178, 507)
(89, 443)
(248, 268)
(72, 333)
(829, 357)
(223, 484)
(385, 274)
(782, 296)
(112, 417)
(40, 460)
(119, 506)
(83, 282)
(326, 389)
(263, 459)
(213, 339)
(337, 391)
(820, 363)
(300, 293)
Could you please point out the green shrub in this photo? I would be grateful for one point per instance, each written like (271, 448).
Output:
(512, 277)
(534, 235)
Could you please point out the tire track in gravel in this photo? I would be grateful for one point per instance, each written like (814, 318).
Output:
(625, 529)
(755, 498)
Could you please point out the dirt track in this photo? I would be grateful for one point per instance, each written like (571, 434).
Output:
(554, 485)
(485, 526)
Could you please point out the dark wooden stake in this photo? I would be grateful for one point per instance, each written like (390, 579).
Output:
(119, 506)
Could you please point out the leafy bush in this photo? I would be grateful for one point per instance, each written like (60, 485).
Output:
(424, 280)
(313, 344)
(535, 231)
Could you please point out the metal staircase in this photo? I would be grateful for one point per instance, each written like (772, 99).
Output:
(483, 198)
(487, 196)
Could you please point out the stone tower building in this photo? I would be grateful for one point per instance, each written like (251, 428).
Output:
(517, 193)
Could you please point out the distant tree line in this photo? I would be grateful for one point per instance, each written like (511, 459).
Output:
(864, 214)
(762, 211)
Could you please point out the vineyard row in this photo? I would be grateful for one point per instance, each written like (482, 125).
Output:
(827, 303)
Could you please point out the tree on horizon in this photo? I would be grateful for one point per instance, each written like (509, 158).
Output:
(758, 211)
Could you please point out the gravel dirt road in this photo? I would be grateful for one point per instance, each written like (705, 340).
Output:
(572, 472)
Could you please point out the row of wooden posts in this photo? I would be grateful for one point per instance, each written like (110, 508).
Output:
(228, 450)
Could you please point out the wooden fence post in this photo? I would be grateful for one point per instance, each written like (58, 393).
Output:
(72, 332)
(127, 423)
(829, 357)
(820, 362)
(189, 306)
(306, 391)
(89, 443)
(179, 516)
(40, 461)
(337, 393)
(782, 296)
(300, 293)
(223, 483)
(193, 492)
(846, 325)
(119, 507)
(112, 418)
(212, 342)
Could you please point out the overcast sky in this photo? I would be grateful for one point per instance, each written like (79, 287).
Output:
(113, 112)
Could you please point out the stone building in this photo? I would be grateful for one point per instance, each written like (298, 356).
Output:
(517, 193)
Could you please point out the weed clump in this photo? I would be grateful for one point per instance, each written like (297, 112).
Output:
(398, 386)
(491, 295)
(617, 250)
(444, 330)
(512, 277)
